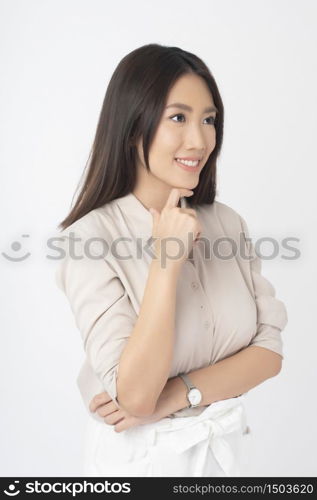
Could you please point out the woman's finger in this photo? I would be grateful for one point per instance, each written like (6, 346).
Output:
(107, 409)
(98, 400)
(126, 423)
(174, 196)
(114, 417)
(191, 211)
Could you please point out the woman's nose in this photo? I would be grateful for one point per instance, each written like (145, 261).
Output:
(195, 138)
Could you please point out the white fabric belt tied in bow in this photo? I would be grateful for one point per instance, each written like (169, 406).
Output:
(209, 429)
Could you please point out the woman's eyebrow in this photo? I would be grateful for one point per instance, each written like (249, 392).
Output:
(188, 108)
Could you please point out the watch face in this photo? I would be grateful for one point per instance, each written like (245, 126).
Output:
(194, 396)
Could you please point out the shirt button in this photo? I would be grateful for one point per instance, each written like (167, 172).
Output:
(194, 285)
(207, 324)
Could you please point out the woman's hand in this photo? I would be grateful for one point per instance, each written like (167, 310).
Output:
(174, 225)
(121, 419)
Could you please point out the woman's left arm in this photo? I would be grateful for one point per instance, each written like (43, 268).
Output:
(225, 379)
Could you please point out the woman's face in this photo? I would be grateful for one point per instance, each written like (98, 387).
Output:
(182, 133)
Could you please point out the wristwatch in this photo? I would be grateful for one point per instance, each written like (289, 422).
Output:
(194, 395)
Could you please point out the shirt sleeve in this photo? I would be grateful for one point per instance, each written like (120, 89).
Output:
(101, 307)
(271, 312)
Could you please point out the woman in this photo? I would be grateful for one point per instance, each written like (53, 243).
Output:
(176, 319)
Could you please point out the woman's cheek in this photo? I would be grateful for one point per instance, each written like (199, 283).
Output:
(170, 134)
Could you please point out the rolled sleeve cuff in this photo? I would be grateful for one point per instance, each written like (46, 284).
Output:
(110, 385)
(269, 337)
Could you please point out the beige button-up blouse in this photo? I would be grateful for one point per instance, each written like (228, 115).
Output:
(223, 303)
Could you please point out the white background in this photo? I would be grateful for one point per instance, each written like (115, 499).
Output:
(56, 60)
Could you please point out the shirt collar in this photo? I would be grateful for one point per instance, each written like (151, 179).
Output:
(139, 215)
(133, 206)
(140, 219)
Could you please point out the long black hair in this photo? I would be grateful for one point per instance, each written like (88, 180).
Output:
(132, 108)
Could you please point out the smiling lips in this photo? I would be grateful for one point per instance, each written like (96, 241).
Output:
(189, 165)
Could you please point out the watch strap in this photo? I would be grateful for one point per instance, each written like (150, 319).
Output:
(187, 381)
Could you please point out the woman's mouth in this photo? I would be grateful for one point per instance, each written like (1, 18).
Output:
(190, 166)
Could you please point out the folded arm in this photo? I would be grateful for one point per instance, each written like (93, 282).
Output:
(225, 379)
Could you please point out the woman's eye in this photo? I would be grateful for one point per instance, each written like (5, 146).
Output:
(179, 114)
(212, 118)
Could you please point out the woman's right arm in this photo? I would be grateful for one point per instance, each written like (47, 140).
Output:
(145, 362)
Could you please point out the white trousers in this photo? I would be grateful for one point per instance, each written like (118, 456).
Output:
(206, 445)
